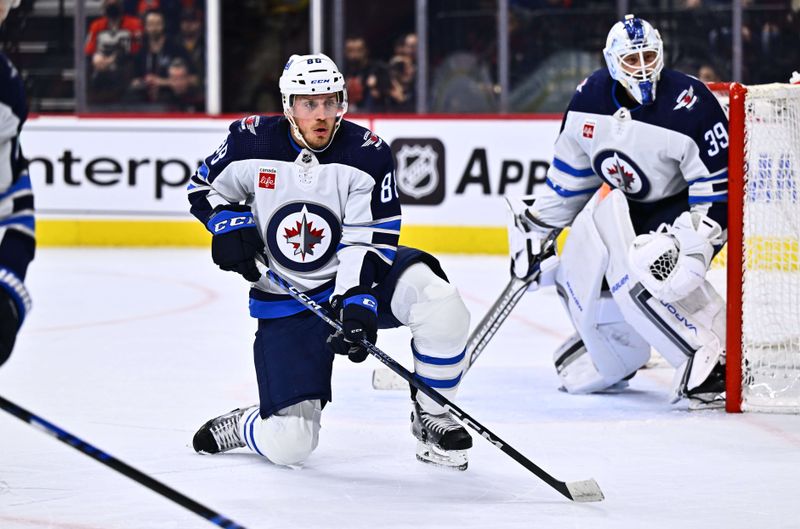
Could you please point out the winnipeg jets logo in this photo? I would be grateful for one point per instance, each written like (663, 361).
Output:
(621, 172)
(249, 123)
(686, 100)
(417, 174)
(303, 236)
(622, 176)
(370, 138)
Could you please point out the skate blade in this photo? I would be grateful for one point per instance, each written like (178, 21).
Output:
(450, 459)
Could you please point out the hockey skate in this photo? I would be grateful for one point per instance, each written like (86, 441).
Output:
(440, 439)
(219, 434)
(710, 394)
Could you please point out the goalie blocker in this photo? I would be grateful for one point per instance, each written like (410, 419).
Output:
(617, 317)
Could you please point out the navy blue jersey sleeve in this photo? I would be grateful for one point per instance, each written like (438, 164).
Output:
(371, 223)
(245, 137)
(17, 226)
(705, 165)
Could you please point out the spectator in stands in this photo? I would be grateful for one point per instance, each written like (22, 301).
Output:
(708, 74)
(154, 59)
(192, 42)
(363, 90)
(111, 42)
(181, 93)
(402, 76)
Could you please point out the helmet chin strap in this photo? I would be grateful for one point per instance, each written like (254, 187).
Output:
(301, 139)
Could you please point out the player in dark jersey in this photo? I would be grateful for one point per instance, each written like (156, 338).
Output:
(17, 238)
(316, 195)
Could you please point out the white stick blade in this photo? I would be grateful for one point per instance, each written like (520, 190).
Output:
(386, 379)
(585, 491)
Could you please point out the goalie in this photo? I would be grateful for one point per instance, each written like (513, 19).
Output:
(632, 271)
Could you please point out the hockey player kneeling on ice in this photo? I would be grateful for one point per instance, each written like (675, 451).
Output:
(314, 196)
(632, 270)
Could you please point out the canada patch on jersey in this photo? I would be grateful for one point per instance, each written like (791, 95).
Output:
(303, 236)
(619, 171)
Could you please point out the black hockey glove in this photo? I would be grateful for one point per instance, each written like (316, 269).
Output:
(236, 241)
(9, 325)
(358, 312)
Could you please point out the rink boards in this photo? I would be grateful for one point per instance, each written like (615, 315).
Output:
(121, 181)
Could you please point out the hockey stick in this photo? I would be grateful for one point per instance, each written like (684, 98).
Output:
(492, 320)
(580, 491)
(121, 467)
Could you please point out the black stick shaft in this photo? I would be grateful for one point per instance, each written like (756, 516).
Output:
(121, 467)
(437, 397)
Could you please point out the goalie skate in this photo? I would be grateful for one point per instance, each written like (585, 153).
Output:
(441, 440)
(710, 394)
(220, 434)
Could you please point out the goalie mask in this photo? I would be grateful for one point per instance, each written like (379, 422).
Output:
(312, 75)
(634, 54)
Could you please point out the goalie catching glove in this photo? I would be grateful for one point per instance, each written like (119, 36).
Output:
(672, 261)
(235, 241)
(358, 312)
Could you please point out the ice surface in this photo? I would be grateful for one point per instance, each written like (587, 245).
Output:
(132, 350)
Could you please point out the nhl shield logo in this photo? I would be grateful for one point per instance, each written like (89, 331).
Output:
(303, 236)
(419, 170)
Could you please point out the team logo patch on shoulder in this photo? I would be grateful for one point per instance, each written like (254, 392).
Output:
(267, 177)
(370, 138)
(686, 100)
(303, 236)
(588, 129)
(621, 172)
(579, 88)
(249, 123)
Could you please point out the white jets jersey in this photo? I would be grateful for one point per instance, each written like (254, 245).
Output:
(330, 221)
(679, 144)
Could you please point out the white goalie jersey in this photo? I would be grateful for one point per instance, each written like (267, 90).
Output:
(650, 153)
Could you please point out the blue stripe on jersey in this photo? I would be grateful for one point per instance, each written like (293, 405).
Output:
(24, 220)
(267, 310)
(251, 419)
(706, 199)
(439, 384)
(436, 361)
(389, 225)
(203, 170)
(721, 176)
(567, 193)
(23, 183)
(564, 167)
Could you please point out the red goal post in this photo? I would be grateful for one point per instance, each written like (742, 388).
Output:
(762, 268)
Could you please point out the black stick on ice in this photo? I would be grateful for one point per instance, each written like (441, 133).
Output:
(121, 467)
(581, 491)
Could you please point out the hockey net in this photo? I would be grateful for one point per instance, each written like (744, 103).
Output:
(763, 253)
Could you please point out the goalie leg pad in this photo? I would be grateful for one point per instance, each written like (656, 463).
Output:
(439, 322)
(286, 438)
(615, 349)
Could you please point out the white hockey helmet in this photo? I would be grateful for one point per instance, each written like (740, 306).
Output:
(314, 74)
(634, 54)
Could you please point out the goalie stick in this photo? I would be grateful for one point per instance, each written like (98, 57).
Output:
(580, 491)
(492, 320)
(121, 467)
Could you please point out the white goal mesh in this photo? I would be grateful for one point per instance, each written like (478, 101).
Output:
(770, 297)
